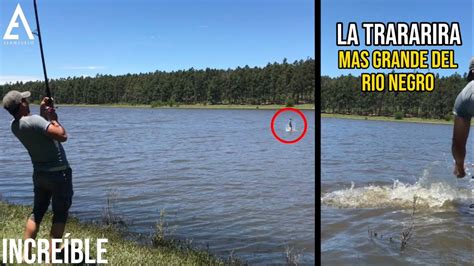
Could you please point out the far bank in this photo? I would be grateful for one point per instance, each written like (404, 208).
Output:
(197, 106)
(389, 119)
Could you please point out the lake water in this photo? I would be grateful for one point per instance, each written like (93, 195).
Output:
(370, 173)
(221, 177)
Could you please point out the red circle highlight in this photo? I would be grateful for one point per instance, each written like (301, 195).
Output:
(289, 109)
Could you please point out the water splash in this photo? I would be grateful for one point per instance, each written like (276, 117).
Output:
(435, 189)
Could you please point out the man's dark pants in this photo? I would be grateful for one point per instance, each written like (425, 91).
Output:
(55, 187)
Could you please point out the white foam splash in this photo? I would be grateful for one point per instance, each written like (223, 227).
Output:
(431, 191)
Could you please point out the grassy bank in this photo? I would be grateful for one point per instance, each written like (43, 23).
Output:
(197, 106)
(387, 118)
(120, 250)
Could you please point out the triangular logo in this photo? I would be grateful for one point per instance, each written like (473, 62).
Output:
(14, 24)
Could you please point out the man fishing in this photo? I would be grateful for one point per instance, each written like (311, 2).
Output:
(463, 111)
(42, 135)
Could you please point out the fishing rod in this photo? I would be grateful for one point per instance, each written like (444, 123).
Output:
(38, 33)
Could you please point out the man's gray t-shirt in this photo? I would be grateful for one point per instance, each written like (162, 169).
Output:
(46, 153)
(464, 105)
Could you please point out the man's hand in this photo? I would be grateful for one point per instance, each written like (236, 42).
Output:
(52, 116)
(47, 110)
(459, 170)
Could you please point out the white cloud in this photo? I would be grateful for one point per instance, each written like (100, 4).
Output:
(84, 67)
(14, 79)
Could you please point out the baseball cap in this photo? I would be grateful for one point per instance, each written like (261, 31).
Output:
(12, 99)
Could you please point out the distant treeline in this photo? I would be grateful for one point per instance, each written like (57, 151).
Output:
(343, 95)
(276, 83)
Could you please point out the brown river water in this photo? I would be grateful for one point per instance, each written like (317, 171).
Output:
(371, 171)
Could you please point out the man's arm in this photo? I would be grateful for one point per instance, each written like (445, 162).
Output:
(460, 135)
(55, 129)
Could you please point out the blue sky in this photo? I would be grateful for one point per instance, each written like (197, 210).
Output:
(333, 11)
(117, 37)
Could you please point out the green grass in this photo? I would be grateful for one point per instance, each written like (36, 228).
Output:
(197, 106)
(120, 249)
(391, 118)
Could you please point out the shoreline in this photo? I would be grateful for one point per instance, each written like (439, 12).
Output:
(389, 119)
(121, 250)
(308, 107)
